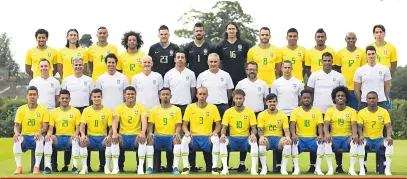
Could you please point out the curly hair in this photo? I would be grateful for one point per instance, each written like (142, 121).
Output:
(132, 33)
(338, 89)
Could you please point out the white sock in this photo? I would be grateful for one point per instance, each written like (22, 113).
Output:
(84, 155)
(115, 149)
(320, 155)
(39, 150)
(224, 154)
(263, 156)
(329, 154)
(149, 155)
(108, 154)
(18, 151)
(215, 151)
(286, 155)
(254, 152)
(361, 155)
(389, 154)
(75, 153)
(48, 153)
(177, 155)
(141, 154)
(294, 153)
(185, 150)
(353, 153)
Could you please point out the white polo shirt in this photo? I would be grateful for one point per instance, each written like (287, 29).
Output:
(180, 84)
(147, 88)
(217, 84)
(255, 93)
(323, 85)
(47, 90)
(372, 79)
(287, 92)
(79, 88)
(112, 87)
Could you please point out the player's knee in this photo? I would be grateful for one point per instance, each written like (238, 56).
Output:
(186, 140)
(214, 139)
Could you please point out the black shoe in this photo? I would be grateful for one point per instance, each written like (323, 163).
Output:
(277, 169)
(121, 170)
(55, 170)
(168, 169)
(90, 169)
(185, 171)
(193, 169)
(365, 168)
(47, 170)
(101, 170)
(75, 170)
(339, 169)
(64, 169)
(311, 169)
(242, 168)
(208, 170)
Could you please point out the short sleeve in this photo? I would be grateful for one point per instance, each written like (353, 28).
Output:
(125, 81)
(386, 117)
(387, 74)
(342, 81)
(199, 81)
(19, 115)
(109, 118)
(84, 114)
(117, 111)
(265, 89)
(279, 57)
(273, 88)
(285, 122)
(225, 119)
(166, 80)
(160, 82)
(230, 82)
(143, 110)
(90, 56)
(216, 115)
(77, 117)
(339, 58)
(119, 65)
(311, 80)
(55, 58)
(253, 120)
(28, 60)
(358, 77)
(59, 58)
(293, 117)
(52, 119)
(353, 116)
(360, 117)
(300, 88)
(57, 87)
(45, 116)
(193, 80)
(178, 113)
(85, 56)
(393, 52)
(99, 82)
(260, 120)
(320, 119)
(187, 113)
(328, 115)
(308, 59)
(152, 116)
(363, 59)
(250, 55)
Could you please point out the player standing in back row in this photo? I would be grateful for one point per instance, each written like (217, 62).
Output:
(294, 53)
(163, 52)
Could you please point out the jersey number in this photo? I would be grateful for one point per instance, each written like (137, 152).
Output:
(320, 62)
(165, 121)
(130, 120)
(97, 123)
(265, 61)
(132, 67)
(31, 122)
(65, 123)
(341, 122)
(350, 63)
(374, 124)
(307, 123)
(201, 120)
(163, 59)
(272, 127)
(102, 58)
(379, 58)
(293, 60)
(232, 54)
(199, 58)
(238, 124)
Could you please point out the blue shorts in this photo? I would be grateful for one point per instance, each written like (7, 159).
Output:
(128, 142)
(353, 101)
(201, 142)
(238, 144)
(95, 142)
(163, 142)
(374, 144)
(307, 143)
(273, 142)
(63, 142)
(29, 142)
(340, 142)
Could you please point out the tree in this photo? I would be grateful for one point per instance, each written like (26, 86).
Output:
(215, 21)
(85, 41)
(6, 57)
(398, 83)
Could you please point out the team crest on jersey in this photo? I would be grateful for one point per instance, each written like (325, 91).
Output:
(278, 121)
(171, 52)
(221, 79)
(171, 114)
(313, 116)
(347, 115)
(136, 112)
(138, 60)
(71, 116)
(85, 83)
(380, 72)
(294, 86)
(271, 55)
(239, 47)
(49, 54)
(79, 54)
(52, 85)
(207, 113)
(259, 89)
(118, 81)
(385, 52)
(187, 77)
(205, 51)
(333, 79)
(103, 117)
(380, 117)
(245, 117)
(299, 54)
(154, 82)
(38, 115)
(357, 56)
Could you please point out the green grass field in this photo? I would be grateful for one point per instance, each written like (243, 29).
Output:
(399, 164)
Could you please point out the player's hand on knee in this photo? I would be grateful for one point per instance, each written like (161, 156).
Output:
(262, 140)
(214, 133)
(142, 138)
(188, 134)
(115, 138)
(223, 138)
(389, 141)
(287, 141)
(354, 139)
(37, 136)
(83, 140)
(47, 137)
(253, 138)
(16, 137)
(320, 139)
(327, 138)
(361, 140)
(294, 139)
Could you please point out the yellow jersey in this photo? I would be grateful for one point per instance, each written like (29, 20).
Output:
(31, 120)
(349, 63)
(385, 54)
(239, 122)
(314, 58)
(130, 118)
(65, 122)
(131, 64)
(306, 122)
(266, 60)
(97, 56)
(34, 55)
(297, 58)
(97, 121)
(201, 120)
(373, 123)
(66, 57)
(341, 121)
(273, 125)
(165, 120)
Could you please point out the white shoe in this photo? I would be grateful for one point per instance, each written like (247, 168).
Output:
(362, 172)
(296, 171)
(84, 171)
(140, 170)
(254, 172)
(225, 171)
(352, 172)
(263, 171)
(115, 171)
(387, 172)
(283, 171)
(318, 172)
(107, 170)
(330, 171)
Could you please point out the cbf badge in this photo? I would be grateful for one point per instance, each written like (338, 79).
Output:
(49, 54)
(271, 55)
(136, 112)
(221, 79)
(299, 54)
(71, 116)
(171, 114)
(79, 54)
(118, 81)
(207, 113)
(380, 117)
(171, 52)
(245, 117)
(279, 121)
(313, 116)
(357, 56)
(85, 83)
(347, 115)
(187, 77)
(38, 115)
(239, 47)
(103, 117)
(52, 85)
(154, 82)
(205, 51)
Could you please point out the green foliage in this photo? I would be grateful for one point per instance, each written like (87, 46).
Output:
(398, 115)
(6, 57)
(7, 113)
(85, 41)
(215, 22)
(399, 85)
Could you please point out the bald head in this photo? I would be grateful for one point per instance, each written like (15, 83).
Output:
(351, 39)
(147, 63)
(202, 94)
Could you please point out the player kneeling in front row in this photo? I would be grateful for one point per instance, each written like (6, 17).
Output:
(201, 115)
(342, 121)
(166, 119)
(132, 117)
(98, 118)
(239, 119)
(305, 121)
(271, 123)
(371, 121)
(66, 120)
(30, 121)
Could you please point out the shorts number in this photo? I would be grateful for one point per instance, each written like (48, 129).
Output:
(201, 120)
(265, 61)
(232, 54)
(341, 122)
(306, 123)
(238, 124)
(65, 123)
(130, 120)
(163, 59)
(31, 122)
(96, 123)
(165, 121)
(374, 124)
